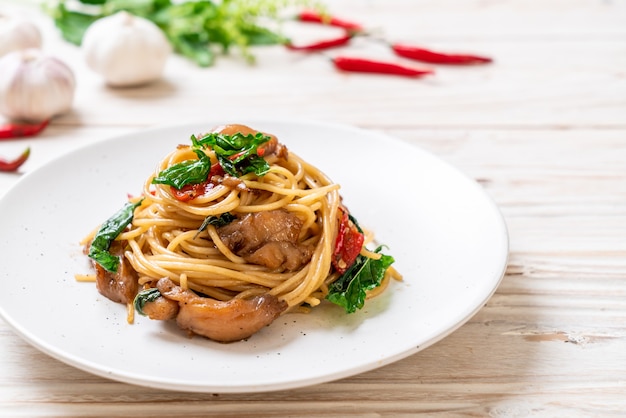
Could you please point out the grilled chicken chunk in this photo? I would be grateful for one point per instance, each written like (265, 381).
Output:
(221, 321)
(267, 238)
(121, 286)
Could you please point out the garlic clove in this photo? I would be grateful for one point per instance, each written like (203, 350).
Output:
(126, 50)
(34, 86)
(17, 34)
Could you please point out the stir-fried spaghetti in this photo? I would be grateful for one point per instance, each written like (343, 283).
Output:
(258, 222)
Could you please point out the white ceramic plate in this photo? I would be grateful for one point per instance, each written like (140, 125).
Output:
(448, 238)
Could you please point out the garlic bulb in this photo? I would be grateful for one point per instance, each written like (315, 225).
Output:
(17, 34)
(125, 49)
(34, 86)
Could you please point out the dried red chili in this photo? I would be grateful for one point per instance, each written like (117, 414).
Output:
(13, 165)
(361, 65)
(314, 17)
(434, 57)
(19, 130)
(321, 45)
(348, 243)
(192, 191)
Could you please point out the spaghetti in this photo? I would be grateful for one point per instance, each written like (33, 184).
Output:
(240, 230)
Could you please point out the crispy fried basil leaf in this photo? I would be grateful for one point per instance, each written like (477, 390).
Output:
(349, 291)
(109, 230)
(185, 172)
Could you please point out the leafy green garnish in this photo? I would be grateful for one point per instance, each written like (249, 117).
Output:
(145, 296)
(109, 230)
(349, 291)
(185, 172)
(237, 153)
(197, 29)
(221, 220)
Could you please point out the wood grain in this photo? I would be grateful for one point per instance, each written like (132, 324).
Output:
(543, 130)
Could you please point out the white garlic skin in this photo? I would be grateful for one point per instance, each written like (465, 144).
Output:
(34, 86)
(17, 34)
(126, 50)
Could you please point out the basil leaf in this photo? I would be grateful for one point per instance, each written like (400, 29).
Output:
(237, 153)
(185, 172)
(109, 230)
(221, 220)
(145, 296)
(350, 290)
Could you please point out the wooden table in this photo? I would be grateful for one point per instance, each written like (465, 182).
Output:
(543, 130)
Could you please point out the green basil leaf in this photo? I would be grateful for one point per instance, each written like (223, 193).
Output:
(186, 172)
(109, 230)
(350, 290)
(237, 153)
(221, 220)
(145, 296)
(217, 221)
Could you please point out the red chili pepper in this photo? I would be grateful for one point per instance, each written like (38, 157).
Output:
(314, 17)
(18, 130)
(433, 57)
(321, 45)
(347, 245)
(191, 191)
(13, 165)
(361, 65)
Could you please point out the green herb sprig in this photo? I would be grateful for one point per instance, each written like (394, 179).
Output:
(197, 29)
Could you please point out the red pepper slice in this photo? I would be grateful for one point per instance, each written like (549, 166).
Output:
(13, 165)
(321, 45)
(311, 16)
(434, 57)
(192, 191)
(347, 245)
(361, 65)
(19, 130)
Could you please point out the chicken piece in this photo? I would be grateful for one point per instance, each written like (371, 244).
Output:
(234, 128)
(274, 147)
(221, 321)
(121, 286)
(161, 308)
(267, 238)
